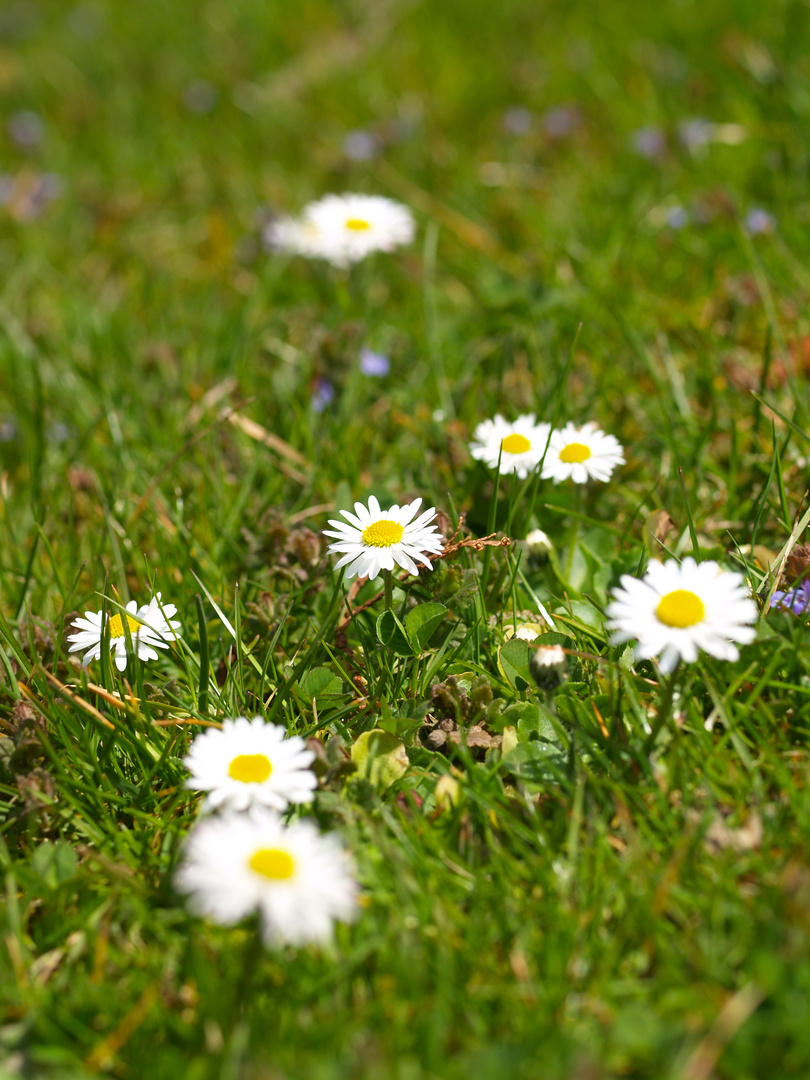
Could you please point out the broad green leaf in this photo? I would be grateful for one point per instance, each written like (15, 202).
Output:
(513, 662)
(421, 622)
(320, 680)
(54, 863)
(391, 633)
(380, 758)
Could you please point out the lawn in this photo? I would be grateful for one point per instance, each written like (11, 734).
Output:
(596, 870)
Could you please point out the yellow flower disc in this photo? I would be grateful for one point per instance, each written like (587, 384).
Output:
(574, 453)
(515, 444)
(250, 768)
(357, 224)
(117, 626)
(680, 608)
(383, 533)
(273, 863)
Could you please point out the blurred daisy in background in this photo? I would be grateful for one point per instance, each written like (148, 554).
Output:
(518, 445)
(343, 229)
(581, 454)
(150, 626)
(375, 540)
(676, 611)
(299, 881)
(250, 762)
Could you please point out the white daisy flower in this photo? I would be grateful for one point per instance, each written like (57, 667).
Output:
(581, 454)
(151, 627)
(344, 229)
(298, 880)
(519, 445)
(677, 610)
(250, 762)
(376, 540)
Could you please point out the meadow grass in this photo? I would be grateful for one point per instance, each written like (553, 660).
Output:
(626, 892)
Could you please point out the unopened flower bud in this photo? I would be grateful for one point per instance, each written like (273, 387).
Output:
(538, 543)
(547, 666)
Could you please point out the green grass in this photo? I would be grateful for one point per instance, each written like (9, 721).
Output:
(609, 905)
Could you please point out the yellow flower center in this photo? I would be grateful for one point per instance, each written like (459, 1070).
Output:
(515, 444)
(680, 608)
(357, 224)
(574, 453)
(117, 627)
(273, 863)
(250, 768)
(383, 533)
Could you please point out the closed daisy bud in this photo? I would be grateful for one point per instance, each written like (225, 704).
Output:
(547, 665)
(538, 543)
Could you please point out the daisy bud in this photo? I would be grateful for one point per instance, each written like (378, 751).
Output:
(538, 543)
(547, 666)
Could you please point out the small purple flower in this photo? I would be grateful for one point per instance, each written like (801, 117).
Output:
(677, 217)
(518, 120)
(323, 395)
(796, 600)
(649, 142)
(695, 134)
(361, 146)
(26, 128)
(560, 121)
(200, 96)
(374, 364)
(759, 222)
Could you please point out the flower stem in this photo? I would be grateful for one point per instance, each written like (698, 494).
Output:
(573, 536)
(664, 711)
(388, 589)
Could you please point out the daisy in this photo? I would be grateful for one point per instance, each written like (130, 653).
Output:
(519, 445)
(151, 627)
(677, 610)
(298, 880)
(376, 540)
(581, 454)
(250, 761)
(343, 229)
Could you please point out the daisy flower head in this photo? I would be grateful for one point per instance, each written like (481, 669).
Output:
(581, 454)
(250, 762)
(343, 229)
(299, 881)
(151, 627)
(376, 539)
(519, 446)
(674, 611)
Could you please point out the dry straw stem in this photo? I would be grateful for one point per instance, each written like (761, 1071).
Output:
(80, 702)
(735, 1011)
(273, 442)
(783, 555)
(147, 495)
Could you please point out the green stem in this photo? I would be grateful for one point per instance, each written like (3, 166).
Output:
(664, 711)
(388, 587)
(573, 536)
